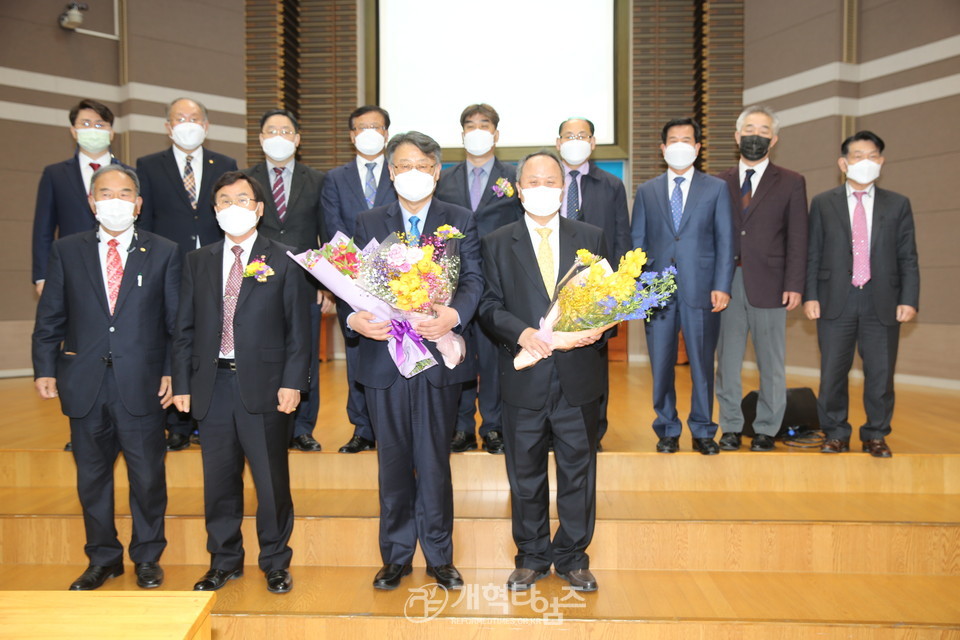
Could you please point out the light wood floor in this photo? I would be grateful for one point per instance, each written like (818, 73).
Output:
(926, 420)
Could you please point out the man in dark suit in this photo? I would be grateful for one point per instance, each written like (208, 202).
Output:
(863, 281)
(176, 201)
(594, 196)
(682, 218)
(62, 206)
(413, 418)
(770, 250)
(484, 185)
(241, 357)
(102, 343)
(559, 395)
(359, 185)
(292, 215)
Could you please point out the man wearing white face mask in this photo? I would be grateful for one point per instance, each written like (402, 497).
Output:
(102, 344)
(62, 207)
(484, 185)
(683, 219)
(558, 397)
(359, 185)
(863, 281)
(413, 418)
(176, 201)
(241, 356)
(594, 196)
(292, 215)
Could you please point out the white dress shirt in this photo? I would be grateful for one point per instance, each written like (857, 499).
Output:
(758, 170)
(123, 248)
(86, 171)
(228, 259)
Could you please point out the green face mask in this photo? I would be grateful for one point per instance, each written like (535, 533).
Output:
(93, 141)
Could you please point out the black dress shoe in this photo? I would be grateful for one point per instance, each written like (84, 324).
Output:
(762, 442)
(216, 578)
(95, 576)
(706, 446)
(877, 448)
(446, 576)
(358, 444)
(580, 579)
(305, 442)
(730, 441)
(835, 445)
(177, 441)
(149, 574)
(389, 576)
(462, 441)
(493, 442)
(68, 446)
(195, 438)
(279, 581)
(522, 578)
(668, 444)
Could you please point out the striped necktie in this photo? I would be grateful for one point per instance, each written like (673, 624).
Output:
(190, 182)
(279, 196)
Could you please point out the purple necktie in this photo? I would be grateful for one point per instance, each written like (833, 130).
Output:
(476, 189)
(279, 197)
(230, 294)
(861, 243)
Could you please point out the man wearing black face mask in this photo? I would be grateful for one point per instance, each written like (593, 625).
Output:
(770, 250)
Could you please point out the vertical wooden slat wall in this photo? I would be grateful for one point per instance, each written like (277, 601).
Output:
(721, 81)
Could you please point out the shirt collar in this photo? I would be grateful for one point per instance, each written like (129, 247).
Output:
(532, 225)
(868, 191)
(123, 240)
(246, 245)
(584, 168)
(486, 166)
(181, 157)
(758, 168)
(271, 166)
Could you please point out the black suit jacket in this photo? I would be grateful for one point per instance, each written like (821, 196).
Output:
(894, 270)
(770, 237)
(343, 199)
(302, 226)
(603, 203)
(166, 207)
(74, 331)
(62, 209)
(271, 329)
(515, 299)
(493, 211)
(378, 370)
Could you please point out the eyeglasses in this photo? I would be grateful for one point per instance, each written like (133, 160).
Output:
(579, 136)
(242, 201)
(280, 132)
(422, 167)
(182, 119)
(373, 127)
(92, 124)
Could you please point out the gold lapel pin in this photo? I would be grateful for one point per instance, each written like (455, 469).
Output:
(210, 160)
(142, 249)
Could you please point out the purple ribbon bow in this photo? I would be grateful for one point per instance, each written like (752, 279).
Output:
(399, 329)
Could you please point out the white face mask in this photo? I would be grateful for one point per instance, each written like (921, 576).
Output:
(414, 185)
(575, 152)
(93, 141)
(478, 141)
(278, 148)
(188, 135)
(115, 214)
(236, 220)
(680, 155)
(369, 142)
(542, 201)
(863, 172)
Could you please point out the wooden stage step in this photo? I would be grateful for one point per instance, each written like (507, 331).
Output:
(339, 602)
(718, 531)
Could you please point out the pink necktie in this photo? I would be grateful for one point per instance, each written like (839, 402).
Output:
(279, 197)
(861, 243)
(114, 273)
(230, 294)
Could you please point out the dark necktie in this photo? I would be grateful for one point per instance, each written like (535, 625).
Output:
(279, 197)
(230, 294)
(746, 189)
(190, 182)
(676, 203)
(573, 197)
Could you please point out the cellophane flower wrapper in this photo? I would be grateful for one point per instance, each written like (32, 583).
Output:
(593, 298)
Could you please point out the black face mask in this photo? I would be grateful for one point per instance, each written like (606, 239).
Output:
(754, 147)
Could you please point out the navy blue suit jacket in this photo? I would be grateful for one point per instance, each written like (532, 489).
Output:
(702, 249)
(378, 370)
(342, 198)
(493, 211)
(62, 209)
(73, 310)
(603, 203)
(166, 207)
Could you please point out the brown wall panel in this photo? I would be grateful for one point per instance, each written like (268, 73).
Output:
(924, 73)
(891, 26)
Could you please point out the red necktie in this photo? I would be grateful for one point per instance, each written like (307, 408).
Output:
(861, 243)
(230, 294)
(114, 273)
(94, 165)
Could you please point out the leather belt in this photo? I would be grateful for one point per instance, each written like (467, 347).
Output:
(108, 360)
(223, 363)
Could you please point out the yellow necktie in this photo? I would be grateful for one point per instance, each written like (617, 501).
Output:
(545, 261)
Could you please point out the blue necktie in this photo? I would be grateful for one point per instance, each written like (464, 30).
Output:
(676, 204)
(370, 185)
(415, 230)
(573, 197)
